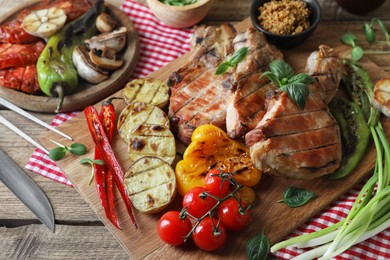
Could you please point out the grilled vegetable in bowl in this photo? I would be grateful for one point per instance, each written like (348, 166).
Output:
(57, 76)
(105, 23)
(86, 68)
(115, 40)
(45, 22)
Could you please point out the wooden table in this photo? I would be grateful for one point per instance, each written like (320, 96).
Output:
(79, 233)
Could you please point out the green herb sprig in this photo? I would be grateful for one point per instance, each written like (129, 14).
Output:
(178, 2)
(91, 162)
(59, 152)
(295, 197)
(369, 31)
(236, 58)
(295, 86)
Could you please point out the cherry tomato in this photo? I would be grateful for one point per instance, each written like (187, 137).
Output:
(209, 235)
(246, 195)
(197, 203)
(230, 215)
(216, 183)
(172, 229)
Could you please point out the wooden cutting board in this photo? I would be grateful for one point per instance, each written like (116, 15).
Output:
(275, 219)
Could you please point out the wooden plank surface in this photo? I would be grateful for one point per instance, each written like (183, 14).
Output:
(79, 232)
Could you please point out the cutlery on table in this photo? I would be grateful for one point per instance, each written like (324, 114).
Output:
(26, 190)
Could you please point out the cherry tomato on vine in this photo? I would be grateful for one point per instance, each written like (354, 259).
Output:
(197, 203)
(209, 235)
(246, 195)
(216, 184)
(230, 215)
(172, 229)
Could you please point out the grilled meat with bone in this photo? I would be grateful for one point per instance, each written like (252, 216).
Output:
(300, 144)
(198, 95)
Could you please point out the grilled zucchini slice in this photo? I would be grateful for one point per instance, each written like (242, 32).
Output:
(152, 140)
(137, 113)
(152, 91)
(151, 184)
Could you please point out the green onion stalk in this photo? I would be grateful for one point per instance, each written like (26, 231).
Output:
(370, 213)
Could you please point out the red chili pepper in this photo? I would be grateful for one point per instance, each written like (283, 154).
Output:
(107, 117)
(103, 176)
(102, 143)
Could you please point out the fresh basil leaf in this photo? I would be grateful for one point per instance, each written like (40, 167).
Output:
(57, 153)
(301, 78)
(357, 53)
(257, 247)
(281, 69)
(296, 197)
(222, 68)
(298, 92)
(369, 32)
(349, 39)
(77, 149)
(238, 56)
(271, 77)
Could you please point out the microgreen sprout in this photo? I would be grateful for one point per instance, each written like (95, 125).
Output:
(59, 152)
(91, 162)
(369, 32)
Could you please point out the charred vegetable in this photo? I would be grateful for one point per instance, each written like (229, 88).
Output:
(355, 135)
(57, 75)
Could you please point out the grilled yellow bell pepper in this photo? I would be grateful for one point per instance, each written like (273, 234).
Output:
(211, 148)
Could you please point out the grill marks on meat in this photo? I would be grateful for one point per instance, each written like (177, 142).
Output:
(246, 105)
(324, 65)
(297, 144)
(198, 95)
(300, 144)
(201, 97)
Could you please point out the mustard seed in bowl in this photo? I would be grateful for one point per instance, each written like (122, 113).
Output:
(284, 17)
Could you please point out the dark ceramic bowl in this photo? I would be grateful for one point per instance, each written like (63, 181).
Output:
(287, 41)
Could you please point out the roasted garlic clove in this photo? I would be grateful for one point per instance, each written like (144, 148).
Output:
(115, 40)
(86, 68)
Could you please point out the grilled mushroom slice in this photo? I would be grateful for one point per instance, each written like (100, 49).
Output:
(86, 68)
(115, 40)
(105, 59)
(106, 23)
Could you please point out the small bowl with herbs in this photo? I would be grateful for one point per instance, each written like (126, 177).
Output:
(180, 13)
(286, 23)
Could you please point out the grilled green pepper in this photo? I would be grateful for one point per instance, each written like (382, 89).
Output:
(57, 76)
(355, 135)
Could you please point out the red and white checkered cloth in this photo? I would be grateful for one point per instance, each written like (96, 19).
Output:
(159, 45)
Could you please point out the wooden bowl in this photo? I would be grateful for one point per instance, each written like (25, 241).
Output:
(180, 16)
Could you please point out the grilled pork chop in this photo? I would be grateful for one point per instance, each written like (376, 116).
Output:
(198, 95)
(300, 144)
